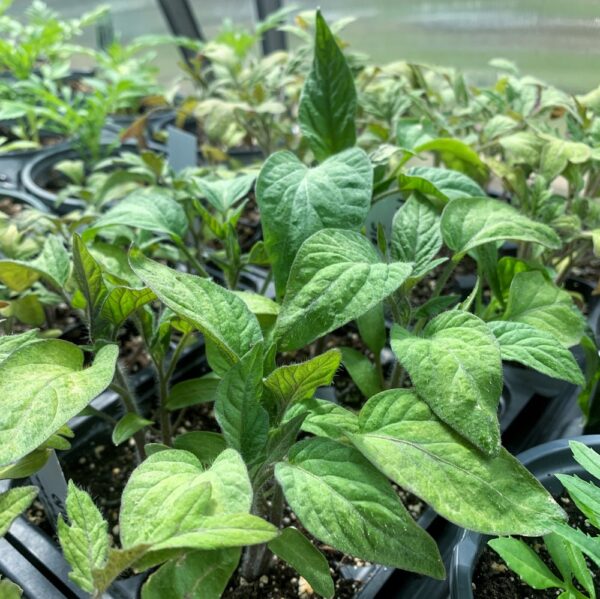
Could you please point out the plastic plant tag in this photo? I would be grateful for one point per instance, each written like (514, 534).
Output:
(182, 149)
(53, 488)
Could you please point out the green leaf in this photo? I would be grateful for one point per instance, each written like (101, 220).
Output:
(587, 457)
(222, 316)
(127, 427)
(206, 446)
(362, 371)
(441, 183)
(336, 277)
(26, 466)
(401, 436)
(535, 301)
(294, 548)
(85, 540)
(358, 511)
(52, 265)
(243, 420)
(264, 308)
(296, 201)
(371, 327)
(451, 149)
(589, 545)
(193, 391)
(13, 503)
(90, 280)
(117, 562)
(328, 103)
(121, 302)
(35, 407)
(298, 382)
(195, 575)
(149, 210)
(523, 560)
(222, 194)
(558, 549)
(536, 349)
(558, 153)
(416, 236)
(470, 222)
(10, 343)
(460, 385)
(221, 531)
(522, 147)
(10, 590)
(324, 418)
(585, 495)
(411, 133)
(170, 493)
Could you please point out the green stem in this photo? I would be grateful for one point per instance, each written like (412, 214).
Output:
(122, 388)
(198, 267)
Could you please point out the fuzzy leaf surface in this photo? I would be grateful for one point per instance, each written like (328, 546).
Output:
(13, 503)
(535, 301)
(460, 385)
(344, 502)
(536, 349)
(402, 437)
(195, 575)
(35, 407)
(218, 313)
(84, 540)
(328, 102)
(416, 235)
(336, 277)
(470, 222)
(296, 201)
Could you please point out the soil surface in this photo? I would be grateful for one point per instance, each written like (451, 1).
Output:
(494, 580)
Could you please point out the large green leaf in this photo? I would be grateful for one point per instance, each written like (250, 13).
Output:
(536, 301)
(150, 210)
(170, 493)
(10, 343)
(13, 503)
(402, 437)
(85, 540)
(441, 183)
(536, 349)
(222, 316)
(328, 102)
(456, 368)
(557, 153)
(298, 382)
(416, 235)
(52, 265)
(296, 201)
(294, 548)
(35, 407)
(336, 277)
(525, 562)
(470, 222)
(243, 420)
(344, 502)
(195, 575)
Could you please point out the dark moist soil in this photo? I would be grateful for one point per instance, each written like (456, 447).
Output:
(9, 207)
(494, 580)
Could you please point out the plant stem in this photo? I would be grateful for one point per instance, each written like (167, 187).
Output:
(122, 388)
(198, 267)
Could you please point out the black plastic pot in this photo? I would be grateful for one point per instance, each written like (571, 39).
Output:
(13, 163)
(37, 173)
(543, 461)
